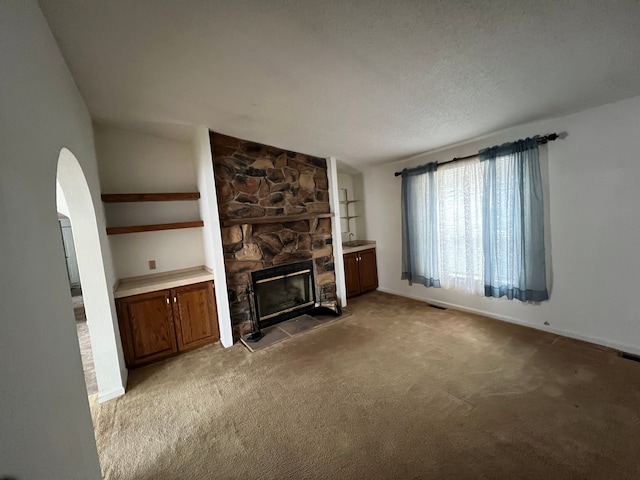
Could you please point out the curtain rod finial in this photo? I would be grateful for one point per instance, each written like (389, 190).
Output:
(548, 138)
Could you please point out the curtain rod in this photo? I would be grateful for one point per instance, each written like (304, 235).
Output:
(541, 141)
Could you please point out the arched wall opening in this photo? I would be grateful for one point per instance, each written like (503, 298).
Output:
(97, 293)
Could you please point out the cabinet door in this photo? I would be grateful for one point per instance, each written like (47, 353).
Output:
(368, 270)
(146, 325)
(351, 276)
(194, 311)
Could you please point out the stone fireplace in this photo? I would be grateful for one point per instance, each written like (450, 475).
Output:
(274, 210)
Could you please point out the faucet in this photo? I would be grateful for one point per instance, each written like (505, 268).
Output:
(351, 235)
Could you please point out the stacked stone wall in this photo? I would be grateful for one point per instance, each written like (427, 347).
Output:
(260, 186)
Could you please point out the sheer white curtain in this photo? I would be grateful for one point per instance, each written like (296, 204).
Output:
(460, 197)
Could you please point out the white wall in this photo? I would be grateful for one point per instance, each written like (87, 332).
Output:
(45, 420)
(593, 199)
(353, 184)
(171, 249)
(336, 230)
(345, 182)
(134, 162)
(359, 208)
(88, 237)
(61, 202)
(213, 253)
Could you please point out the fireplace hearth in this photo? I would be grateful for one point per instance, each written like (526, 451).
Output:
(283, 292)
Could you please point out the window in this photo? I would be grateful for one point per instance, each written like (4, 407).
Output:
(459, 198)
(476, 225)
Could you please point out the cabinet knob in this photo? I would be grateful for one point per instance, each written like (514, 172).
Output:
(167, 301)
(174, 300)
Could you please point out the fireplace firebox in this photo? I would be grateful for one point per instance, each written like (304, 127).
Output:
(283, 292)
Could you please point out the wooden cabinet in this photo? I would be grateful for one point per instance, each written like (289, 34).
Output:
(361, 272)
(351, 275)
(159, 324)
(194, 311)
(146, 327)
(368, 270)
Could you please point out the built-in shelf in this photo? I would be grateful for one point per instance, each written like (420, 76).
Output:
(347, 202)
(349, 217)
(153, 228)
(279, 219)
(149, 197)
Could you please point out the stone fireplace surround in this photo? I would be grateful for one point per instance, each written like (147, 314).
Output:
(274, 209)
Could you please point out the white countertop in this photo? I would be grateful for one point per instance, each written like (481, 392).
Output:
(367, 244)
(161, 281)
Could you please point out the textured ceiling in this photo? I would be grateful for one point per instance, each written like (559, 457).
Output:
(362, 80)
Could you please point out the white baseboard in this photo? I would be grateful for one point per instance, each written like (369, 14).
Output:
(505, 318)
(115, 392)
(124, 374)
(110, 395)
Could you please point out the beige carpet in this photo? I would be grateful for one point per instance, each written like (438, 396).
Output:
(397, 390)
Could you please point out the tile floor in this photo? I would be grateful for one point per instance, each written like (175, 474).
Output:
(85, 346)
(289, 328)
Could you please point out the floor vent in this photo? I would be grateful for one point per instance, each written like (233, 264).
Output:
(630, 356)
(441, 308)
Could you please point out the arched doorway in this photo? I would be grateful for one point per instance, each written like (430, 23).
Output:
(96, 287)
(75, 288)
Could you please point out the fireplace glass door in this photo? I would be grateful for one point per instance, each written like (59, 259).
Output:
(283, 294)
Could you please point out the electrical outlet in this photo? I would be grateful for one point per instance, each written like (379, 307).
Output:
(152, 264)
